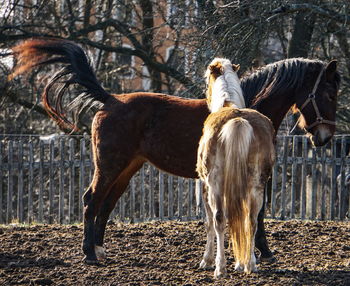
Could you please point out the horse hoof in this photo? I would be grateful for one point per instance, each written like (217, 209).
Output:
(206, 266)
(91, 261)
(249, 270)
(239, 267)
(270, 259)
(100, 252)
(219, 274)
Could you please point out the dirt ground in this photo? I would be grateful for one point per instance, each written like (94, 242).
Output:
(168, 253)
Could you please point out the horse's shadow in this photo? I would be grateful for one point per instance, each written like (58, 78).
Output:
(9, 260)
(302, 277)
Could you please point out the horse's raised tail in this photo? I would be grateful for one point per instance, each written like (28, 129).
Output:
(236, 137)
(77, 70)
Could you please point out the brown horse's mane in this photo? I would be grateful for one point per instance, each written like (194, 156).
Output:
(276, 78)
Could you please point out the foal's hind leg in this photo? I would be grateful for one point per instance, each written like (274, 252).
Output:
(256, 201)
(216, 203)
(208, 257)
(219, 226)
(109, 203)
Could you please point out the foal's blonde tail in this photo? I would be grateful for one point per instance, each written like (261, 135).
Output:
(236, 137)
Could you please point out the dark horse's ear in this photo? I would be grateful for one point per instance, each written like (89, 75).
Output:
(235, 67)
(331, 70)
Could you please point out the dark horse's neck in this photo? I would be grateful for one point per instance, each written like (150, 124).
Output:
(273, 89)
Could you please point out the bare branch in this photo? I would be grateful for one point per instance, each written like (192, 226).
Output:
(293, 8)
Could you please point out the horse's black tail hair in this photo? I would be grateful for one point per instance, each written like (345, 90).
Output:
(76, 70)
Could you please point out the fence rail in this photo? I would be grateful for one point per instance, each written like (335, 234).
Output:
(42, 179)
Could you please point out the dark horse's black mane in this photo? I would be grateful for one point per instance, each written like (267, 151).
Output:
(277, 78)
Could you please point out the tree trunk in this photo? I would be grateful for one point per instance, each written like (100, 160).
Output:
(147, 42)
(299, 44)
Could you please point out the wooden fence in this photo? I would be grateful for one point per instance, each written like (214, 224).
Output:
(42, 179)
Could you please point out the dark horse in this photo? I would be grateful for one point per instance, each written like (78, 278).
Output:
(130, 129)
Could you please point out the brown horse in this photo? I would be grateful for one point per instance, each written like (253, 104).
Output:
(235, 158)
(130, 129)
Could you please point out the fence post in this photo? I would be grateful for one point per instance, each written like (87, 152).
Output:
(303, 180)
(313, 185)
(323, 182)
(132, 199)
(30, 183)
(161, 195)
(180, 196)
(51, 181)
(333, 181)
(342, 195)
(151, 192)
(1, 188)
(294, 172)
(10, 183)
(274, 189)
(41, 187)
(171, 197)
(284, 177)
(61, 182)
(81, 176)
(142, 202)
(71, 180)
(190, 197)
(20, 181)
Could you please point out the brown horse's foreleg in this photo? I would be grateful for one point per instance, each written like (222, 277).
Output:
(92, 199)
(260, 237)
(89, 214)
(109, 203)
(102, 218)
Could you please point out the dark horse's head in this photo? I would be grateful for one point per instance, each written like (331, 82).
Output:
(318, 103)
(311, 86)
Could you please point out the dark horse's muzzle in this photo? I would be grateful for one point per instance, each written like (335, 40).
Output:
(321, 136)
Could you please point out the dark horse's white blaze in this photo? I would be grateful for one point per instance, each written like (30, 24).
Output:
(235, 158)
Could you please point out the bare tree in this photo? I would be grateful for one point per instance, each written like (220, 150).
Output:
(169, 43)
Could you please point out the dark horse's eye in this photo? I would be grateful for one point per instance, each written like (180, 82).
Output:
(331, 96)
(330, 93)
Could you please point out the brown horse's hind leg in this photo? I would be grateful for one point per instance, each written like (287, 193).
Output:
(109, 203)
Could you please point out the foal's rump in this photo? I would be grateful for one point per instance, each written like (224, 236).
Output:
(249, 155)
(214, 124)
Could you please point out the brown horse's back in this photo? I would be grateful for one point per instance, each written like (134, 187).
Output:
(162, 129)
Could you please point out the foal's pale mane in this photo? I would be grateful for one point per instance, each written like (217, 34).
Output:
(223, 85)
